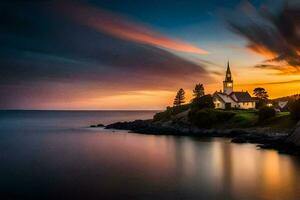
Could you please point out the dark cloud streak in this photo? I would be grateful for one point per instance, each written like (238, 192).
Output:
(274, 29)
(45, 56)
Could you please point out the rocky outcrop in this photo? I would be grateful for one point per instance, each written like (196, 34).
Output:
(294, 137)
(148, 127)
(261, 136)
(251, 135)
(97, 126)
(264, 137)
(289, 144)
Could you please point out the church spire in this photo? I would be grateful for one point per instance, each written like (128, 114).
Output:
(228, 67)
(228, 82)
(228, 73)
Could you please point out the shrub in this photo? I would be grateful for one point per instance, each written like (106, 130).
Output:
(169, 112)
(179, 109)
(162, 116)
(295, 110)
(202, 102)
(206, 118)
(266, 113)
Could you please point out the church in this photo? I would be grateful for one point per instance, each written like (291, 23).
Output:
(228, 98)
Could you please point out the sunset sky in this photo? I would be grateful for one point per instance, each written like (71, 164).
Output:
(135, 54)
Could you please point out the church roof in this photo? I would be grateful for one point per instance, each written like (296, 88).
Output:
(223, 97)
(234, 97)
(241, 96)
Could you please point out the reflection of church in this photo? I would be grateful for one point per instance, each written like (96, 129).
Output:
(230, 99)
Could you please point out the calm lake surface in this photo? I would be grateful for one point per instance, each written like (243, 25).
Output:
(54, 155)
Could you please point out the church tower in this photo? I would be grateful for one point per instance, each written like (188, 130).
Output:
(228, 82)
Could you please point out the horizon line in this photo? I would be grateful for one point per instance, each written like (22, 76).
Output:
(80, 109)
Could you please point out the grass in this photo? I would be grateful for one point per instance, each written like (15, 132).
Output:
(249, 118)
(282, 114)
(169, 112)
(282, 120)
(243, 119)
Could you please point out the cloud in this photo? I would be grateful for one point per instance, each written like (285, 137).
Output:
(56, 61)
(119, 27)
(273, 31)
(271, 83)
(283, 69)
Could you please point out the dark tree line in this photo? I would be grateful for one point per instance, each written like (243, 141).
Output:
(198, 92)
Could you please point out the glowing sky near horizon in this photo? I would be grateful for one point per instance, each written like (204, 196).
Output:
(100, 54)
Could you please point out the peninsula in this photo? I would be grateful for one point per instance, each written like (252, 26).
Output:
(228, 113)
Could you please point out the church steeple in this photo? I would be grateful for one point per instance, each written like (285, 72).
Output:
(228, 73)
(228, 82)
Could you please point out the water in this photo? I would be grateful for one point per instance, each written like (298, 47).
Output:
(54, 155)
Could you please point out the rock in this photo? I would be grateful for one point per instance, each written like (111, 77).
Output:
(139, 126)
(294, 137)
(169, 128)
(237, 132)
(288, 145)
(97, 126)
(148, 127)
(265, 137)
(239, 140)
(259, 138)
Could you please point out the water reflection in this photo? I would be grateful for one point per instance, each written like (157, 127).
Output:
(219, 169)
(85, 163)
(214, 169)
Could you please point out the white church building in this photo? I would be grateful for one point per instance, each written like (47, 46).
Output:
(231, 99)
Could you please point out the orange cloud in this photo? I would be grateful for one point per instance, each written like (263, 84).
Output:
(117, 26)
(282, 69)
(272, 83)
(261, 50)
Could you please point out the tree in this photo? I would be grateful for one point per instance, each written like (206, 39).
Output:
(198, 91)
(179, 98)
(261, 93)
(205, 101)
(262, 96)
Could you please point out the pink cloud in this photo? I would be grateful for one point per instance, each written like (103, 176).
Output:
(119, 27)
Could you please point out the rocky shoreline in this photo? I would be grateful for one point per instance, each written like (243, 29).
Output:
(264, 137)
